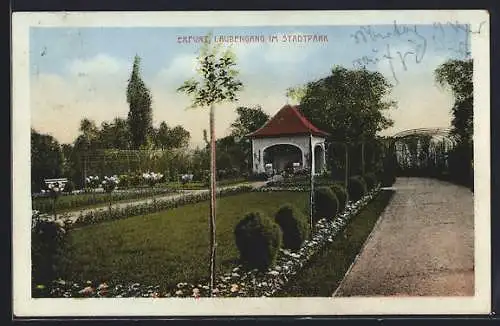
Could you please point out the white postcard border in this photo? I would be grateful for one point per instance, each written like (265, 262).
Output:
(24, 305)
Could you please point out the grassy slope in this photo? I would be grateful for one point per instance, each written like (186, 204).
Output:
(167, 247)
(321, 276)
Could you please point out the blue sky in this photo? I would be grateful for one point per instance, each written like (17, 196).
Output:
(82, 72)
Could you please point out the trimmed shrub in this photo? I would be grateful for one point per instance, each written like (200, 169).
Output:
(341, 194)
(69, 186)
(124, 181)
(357, 188)
(388, 178)
(135, 179)
(294, 226)
(48, 239)
(258, 239)
(388, 173)
(205, 177)
(371, 180)
(258, 177)
(326, 204)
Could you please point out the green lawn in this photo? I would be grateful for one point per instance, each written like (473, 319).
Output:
(322, 275)
(168, 247)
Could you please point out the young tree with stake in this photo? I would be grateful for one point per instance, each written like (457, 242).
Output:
(217, 82)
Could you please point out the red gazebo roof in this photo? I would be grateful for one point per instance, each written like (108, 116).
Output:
(287, 121)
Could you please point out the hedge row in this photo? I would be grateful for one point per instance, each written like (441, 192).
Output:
(358, 185)
(115, 213)
(45, 204)
(330, 200)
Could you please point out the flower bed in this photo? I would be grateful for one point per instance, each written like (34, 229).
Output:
(81, 200)
(100, 215)
(268, 189)
(237, 283)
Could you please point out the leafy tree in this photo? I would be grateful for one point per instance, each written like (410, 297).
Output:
(236, 145)
(115, 134)
(89, 133)
(162, 135)
(66, 150)
(200, 162)
(46, 159)
(457, 76)
(249, 120)
(234, 150)
(72, 164)
(217, 83)
(178, 137)
(348, 104)
(231, 154)
(167, 138)
(140, 117)
(296, 93)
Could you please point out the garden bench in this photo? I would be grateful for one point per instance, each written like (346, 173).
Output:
(62, 181)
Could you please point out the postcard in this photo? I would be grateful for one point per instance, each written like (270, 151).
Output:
(251, 163)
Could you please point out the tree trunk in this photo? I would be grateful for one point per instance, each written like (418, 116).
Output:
(213, 175)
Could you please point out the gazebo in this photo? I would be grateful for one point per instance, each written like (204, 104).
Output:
(285, 141)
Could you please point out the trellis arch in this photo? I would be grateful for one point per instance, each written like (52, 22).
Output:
(122, 161)
(422, 150)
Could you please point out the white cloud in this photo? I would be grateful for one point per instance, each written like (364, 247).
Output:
(58, 104)
(178, 70)
(93, 88)
(100, 65)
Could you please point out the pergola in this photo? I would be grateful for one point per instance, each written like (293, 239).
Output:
(437, 139)
(288, 139)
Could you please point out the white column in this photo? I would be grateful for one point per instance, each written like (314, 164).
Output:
(254, 170)
(324, 156)
(313, 160)
(260, 155)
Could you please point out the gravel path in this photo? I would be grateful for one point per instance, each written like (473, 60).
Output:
(74, 215)
(422, 245)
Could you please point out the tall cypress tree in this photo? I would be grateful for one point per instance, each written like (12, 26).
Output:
(140, 116)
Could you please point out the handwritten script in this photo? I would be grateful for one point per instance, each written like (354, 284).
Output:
(386, 46)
